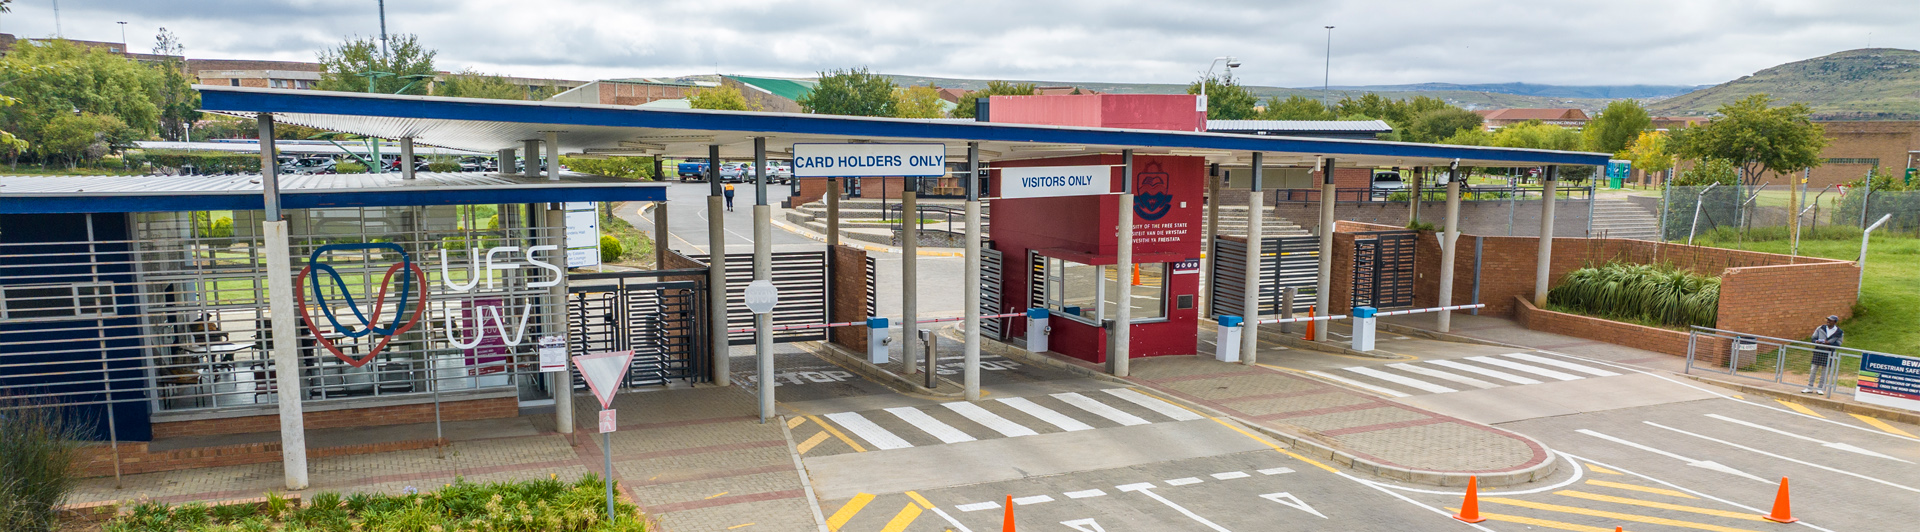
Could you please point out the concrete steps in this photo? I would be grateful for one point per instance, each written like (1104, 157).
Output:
(1614, 218)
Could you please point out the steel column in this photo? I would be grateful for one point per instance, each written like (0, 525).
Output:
(970, 298)
(909, 270)
(1207, 237)
(280, 287)
(762, 271)
(553, 156)
(717, 271)
(406, 157)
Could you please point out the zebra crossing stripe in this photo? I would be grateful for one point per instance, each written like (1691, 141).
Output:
(924, 422)
(1100, 409)
(1362, 385)
(866, 430)
(987, 419)
(1562, 363)
(1057, 419)
(1403, 381)
(1502, 375)
(1162, 407)
(1430, 372)
(1544, 372)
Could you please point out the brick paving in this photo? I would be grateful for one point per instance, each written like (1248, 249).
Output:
(694, 459)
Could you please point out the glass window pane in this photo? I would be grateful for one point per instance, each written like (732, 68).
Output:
(1147, 291)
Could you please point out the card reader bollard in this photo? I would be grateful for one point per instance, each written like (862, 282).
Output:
(877, 340)
(1363, 326)
(1037, 330)
(1226, 345)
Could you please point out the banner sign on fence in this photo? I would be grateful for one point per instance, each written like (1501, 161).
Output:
(869, 160)
(1055, 181)
(1889, 380)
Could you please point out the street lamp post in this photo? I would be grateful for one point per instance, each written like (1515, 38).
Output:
(1231, 64)
(1326, 82)
(124, 49)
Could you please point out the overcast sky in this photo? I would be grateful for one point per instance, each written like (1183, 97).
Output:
(1564, 42)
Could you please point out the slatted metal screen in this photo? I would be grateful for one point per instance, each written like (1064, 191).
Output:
(990, 282)
(801, 277)
(1285, 262)
(1383, 269)
(664, 323)
(873, 287)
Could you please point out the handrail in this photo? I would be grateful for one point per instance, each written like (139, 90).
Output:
(1469, 193)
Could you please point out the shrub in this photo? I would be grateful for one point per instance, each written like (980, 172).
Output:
(37, 452)
(443, 166)
(628, 167)
(349, 167)
(203, 162)
(610, 249)
(542, 505)
(1657, 294)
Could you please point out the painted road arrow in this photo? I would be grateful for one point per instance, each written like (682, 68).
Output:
(1703, 464)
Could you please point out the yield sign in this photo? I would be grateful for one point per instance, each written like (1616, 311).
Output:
(603, 371)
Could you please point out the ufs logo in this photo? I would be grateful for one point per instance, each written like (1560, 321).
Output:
(1152, 193)
(410, 291)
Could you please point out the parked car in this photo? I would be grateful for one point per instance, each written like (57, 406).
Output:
(1385, 183)
(309, 165)
(692, 170)
(735, 172)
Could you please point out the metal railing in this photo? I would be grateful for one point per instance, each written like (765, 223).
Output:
(1776, 360)
(1467, 193)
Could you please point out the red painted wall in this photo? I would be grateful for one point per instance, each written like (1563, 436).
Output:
(1167, 186)
(1175, 112)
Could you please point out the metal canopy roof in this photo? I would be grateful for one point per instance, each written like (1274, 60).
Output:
(1301, 126)
(75, 194)
(488, 125)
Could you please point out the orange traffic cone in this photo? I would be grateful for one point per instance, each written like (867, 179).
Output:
(1470, 508)
(1006, 523)
(1310, 324)
(1136, 275)
(1782, 508)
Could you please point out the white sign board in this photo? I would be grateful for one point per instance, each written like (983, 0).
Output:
(603, 373)
(762, 296)
(869, 160)
(583, 235)
(553, 353)
(1055, 181)
(608, 421)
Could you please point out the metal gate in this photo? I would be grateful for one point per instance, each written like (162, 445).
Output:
(1383, 268)
(990, 295)
(801, 277)
(1285, 262)
(663, 322)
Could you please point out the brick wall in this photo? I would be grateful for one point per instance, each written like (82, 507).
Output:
(1653, 339)
(848, 302)
(136, 458)
(680, 261)
(492, 408)
(1786, 301)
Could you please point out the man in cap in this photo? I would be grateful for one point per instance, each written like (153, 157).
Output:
(1828, 336)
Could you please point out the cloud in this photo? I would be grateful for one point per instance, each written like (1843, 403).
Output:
(1584, 42)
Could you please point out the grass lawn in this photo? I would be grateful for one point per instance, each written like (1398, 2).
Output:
(1885, 318)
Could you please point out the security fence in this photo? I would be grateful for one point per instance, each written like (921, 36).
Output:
(1767, 211)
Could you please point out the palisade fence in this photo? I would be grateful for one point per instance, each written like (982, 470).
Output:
(1749, 210)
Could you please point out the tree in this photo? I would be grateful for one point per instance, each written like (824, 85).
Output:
(179, 104)
(1649, 152)
(967, 104)
(1536, 135)
(1706, 172)
(1226, 99)
(1397, 113)
(1469, 137)
(856, 92)
(75, 138)
(348, 66)
(472, 84)
(1295, 108)
(1438, 124)
(921, 101)
(1617, 126)
(1756, 138)
(62, 79)
(724, 98)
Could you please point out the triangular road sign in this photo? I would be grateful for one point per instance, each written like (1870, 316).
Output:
(603, 372)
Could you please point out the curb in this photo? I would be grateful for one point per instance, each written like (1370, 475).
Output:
(841, 356)
(1813, 400)
(1313, 448)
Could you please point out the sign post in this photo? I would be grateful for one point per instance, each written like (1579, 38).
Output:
(603, 373)
(762, 296)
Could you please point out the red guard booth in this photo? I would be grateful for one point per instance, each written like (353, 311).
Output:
(1060, 252)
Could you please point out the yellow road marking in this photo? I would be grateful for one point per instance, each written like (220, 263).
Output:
(1801, 409)
(1882, 425)
(1631, 487)
(846, 513)
(922, 500)
(742, 525)
(1660, 505)
(902, 519)
(836, 433)
(1223, 423)
(1538, 522)
(1611, 515)
(795, 422)
(710, 497)
(1598, 469)
(1740, 397)
(811, 442)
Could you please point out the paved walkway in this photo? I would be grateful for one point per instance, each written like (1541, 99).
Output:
(694, 458)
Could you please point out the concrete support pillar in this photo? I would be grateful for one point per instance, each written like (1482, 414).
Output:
(1119, 355)
(1413, 194)
(1542, 270)
(553, 156)
(560, 382)
(1206, 239)
(1324, 286)
(762, 271)
(406, 157)
(833, 211)
(660, 235)
(717, 271)
(970, 297)
(909, 273)
(503, 162)
(1449, 242)
(280, 287)
(531, 158)
(1250, 291)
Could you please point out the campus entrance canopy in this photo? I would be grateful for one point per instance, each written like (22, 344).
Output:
(589, 129)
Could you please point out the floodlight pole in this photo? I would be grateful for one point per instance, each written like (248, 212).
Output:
(1863, 252)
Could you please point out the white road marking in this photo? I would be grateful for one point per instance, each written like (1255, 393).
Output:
(1358, 384)
(1291, 501)
(866, 430)
(1703, 464)
(978, 506)
(1677, 487)
(1085, 493)
(1430, 372)
(924, 422)
(1597, 372)
(950, 520)
(1183, 481)
(1230, 475)
(1084, 525)
(1502, 375)
(1148, 491)
(987, 419)
(1135, 487)
(1831, 445)
(1057, 419)
(1036, 499)
(1509, 364)
(1403, 381)
(1162, 407)
(1404, 498)
(1797, 461)
(1100, 409)
(1276, 471)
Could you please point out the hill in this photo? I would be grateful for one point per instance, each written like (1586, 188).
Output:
(1608, 92)
(1865, 84)
(1467, 96)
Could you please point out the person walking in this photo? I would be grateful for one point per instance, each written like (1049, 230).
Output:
(728, 192)
(1828, 336)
